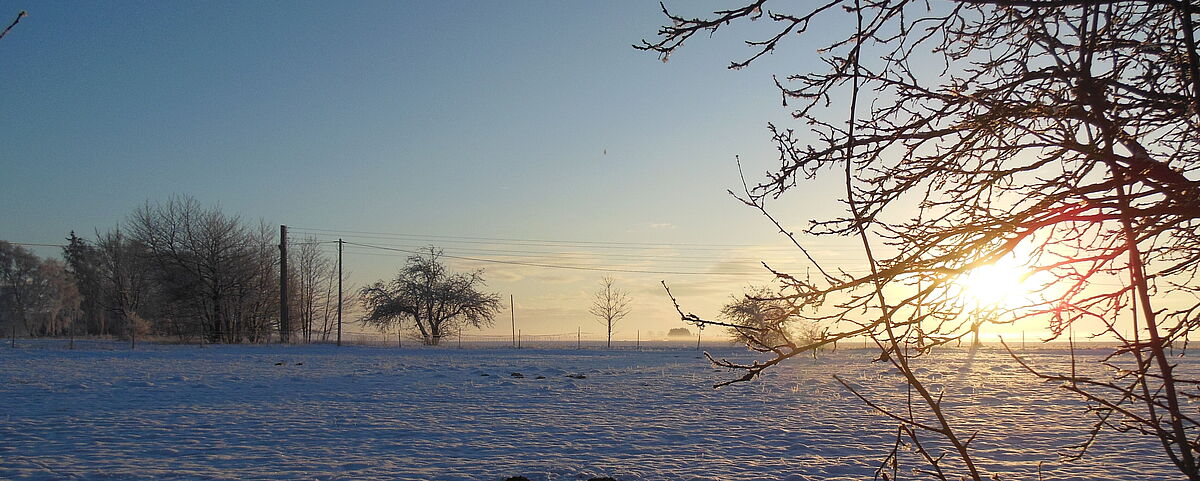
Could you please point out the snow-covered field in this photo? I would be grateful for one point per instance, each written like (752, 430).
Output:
(235, 412)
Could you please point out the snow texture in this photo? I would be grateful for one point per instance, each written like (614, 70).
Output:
(322, 412)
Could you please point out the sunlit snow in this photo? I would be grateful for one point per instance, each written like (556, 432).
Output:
(322, 412)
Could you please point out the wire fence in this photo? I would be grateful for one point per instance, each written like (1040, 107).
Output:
(573, 340)
(464, 340)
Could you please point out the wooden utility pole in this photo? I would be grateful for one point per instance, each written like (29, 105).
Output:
(285, 328)
(512, 310)
(340, 243)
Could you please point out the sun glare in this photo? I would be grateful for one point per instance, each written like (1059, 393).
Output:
(1002, 284)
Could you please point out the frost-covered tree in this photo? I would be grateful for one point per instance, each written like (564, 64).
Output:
(764, 320)
(610, 305)
(427, 297)
(314, 295)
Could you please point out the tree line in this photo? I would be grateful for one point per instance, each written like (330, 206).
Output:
(187, 272)
(175, 269)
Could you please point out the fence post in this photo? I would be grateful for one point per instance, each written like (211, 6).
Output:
(639, 340)
(518, 339)
(578, 338)
(339, 334)
(285, 327)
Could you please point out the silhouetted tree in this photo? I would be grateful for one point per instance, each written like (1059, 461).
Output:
(83, 263)
(430, 299)
(258, 290)
(129, 287)
(609, 306)
(315, 296)
(679, 332)
(53, 303)
(37, 297)
(18, 276)
(211, 268)
(1063, 134)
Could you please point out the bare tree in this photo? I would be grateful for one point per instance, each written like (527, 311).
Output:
(127, 284)
(609, 305)
(315, 296)
(18, 276)
(435, 301)
(209, 265)
(258, 289)
(1062, 134)
(37, 296)
(312, 272)
(54, 300)
(349, 299)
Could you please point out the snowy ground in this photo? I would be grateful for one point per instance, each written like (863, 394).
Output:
(230, 412)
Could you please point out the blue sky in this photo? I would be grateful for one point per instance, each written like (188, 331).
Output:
(531, 120)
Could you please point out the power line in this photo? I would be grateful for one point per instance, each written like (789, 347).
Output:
(586, 254)
(644, 264)
(631, 261)
(543, 242)
(520, 240)
(548, 263)
(622, 269)
(537, 244)
(34, 244)
(557, 266)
